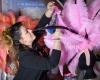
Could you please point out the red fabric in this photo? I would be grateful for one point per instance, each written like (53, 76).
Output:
(3, 27)
(6, 18)
(8, 69)
(12, 17)
(3, 55)
(28, 22)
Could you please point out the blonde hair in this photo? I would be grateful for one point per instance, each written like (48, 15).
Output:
(11, 52)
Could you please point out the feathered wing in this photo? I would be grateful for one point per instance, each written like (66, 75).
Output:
(94, 12)
(68, 48)
(94, 15)
(71, 44)
(94, 37)
(76, 14)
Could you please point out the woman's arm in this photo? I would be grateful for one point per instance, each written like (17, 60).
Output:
(45, 18)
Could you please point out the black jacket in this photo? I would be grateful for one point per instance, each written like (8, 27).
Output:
(31, 65)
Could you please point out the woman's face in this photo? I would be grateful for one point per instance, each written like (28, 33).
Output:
(27, 37)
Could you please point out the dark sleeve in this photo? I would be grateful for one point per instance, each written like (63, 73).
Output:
(41, 63)
(42, 23)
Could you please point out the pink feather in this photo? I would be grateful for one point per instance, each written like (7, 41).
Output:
(75, 16)
(71, 44)
(93, 8)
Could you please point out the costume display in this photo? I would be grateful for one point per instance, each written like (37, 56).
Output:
(81, 35)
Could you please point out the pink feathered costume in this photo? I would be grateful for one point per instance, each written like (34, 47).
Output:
(76, 16)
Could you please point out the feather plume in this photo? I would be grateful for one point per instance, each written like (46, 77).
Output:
(93, 9)
(77, 16)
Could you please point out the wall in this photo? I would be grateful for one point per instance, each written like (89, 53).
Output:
(0, 5)
(34, 8)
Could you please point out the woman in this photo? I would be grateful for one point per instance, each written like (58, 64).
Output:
(31, 65)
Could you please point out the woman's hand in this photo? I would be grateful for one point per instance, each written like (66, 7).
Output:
(51, 5)
(50, 8)
(57, 43)
(57, 34)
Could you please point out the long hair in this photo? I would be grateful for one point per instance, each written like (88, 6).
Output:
(11, 38)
